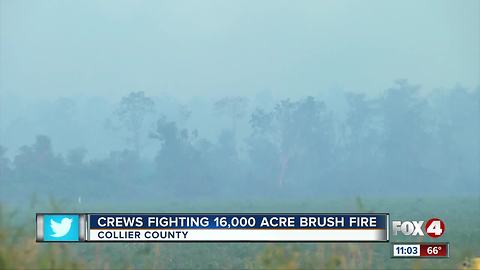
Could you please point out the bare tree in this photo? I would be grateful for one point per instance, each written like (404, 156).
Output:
(132, 111)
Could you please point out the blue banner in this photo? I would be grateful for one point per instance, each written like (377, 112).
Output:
(237, 221)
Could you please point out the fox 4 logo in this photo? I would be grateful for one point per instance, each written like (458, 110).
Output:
(434, 227)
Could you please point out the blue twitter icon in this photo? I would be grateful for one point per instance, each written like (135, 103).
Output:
(60, 228)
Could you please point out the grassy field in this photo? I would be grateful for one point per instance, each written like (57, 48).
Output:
(461, 215)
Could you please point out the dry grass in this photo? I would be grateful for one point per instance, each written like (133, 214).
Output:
(324, 256)
(18, 250)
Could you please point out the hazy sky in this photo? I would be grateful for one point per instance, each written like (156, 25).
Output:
(189, 48)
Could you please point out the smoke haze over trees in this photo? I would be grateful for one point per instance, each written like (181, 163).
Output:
(397, 143)
(238, 99)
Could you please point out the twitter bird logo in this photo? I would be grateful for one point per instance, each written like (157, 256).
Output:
(61, 228)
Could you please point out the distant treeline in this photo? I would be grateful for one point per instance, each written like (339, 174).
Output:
(397, 143)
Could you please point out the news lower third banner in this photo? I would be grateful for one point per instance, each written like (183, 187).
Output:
(55, 227)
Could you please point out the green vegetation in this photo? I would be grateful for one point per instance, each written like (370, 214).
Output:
(18, 249)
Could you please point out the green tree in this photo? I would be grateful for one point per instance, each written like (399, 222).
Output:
(179, 162)
(301, 133)
(406, 134)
